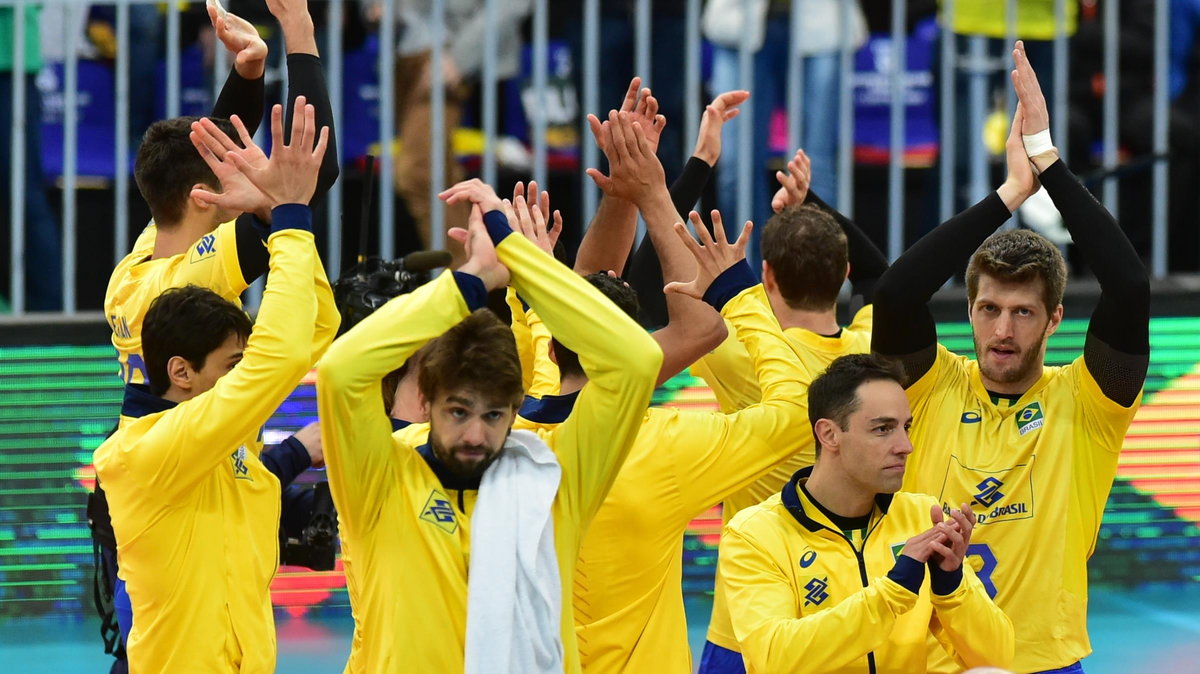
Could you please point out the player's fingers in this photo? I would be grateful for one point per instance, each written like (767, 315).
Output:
(651, 106)
(210, 150)
(310, 128)
(744, 238)
(629, 130)
(617, 136)
(298, 120)
(522, 214)
(660, 122)
(322, 145)
(602, 181)
(682, 233)
(459, 234)
(718, 225)
(556, 228)
(206, 196)
(678, 288)
(595, 126)
(631, 94)
(936, 514)
(544, 204)
(276, 127)
(643, 145)
(731, 114)
(942, 549)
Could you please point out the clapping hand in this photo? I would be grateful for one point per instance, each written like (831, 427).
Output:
(242, 40)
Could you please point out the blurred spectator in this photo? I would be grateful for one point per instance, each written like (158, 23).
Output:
(43, 245)
(818, 44)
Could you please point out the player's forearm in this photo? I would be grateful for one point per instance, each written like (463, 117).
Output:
(903, 324)
(299, 35)
(306, 78)
(609, 238)
(243, 97)
(612, 348)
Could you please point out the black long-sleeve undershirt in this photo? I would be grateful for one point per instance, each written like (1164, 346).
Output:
(867, 262)
(644, 270)
(1117, 349)
(242, 97)
(306, 78)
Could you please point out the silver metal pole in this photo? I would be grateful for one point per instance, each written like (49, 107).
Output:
(1062, 70)
(121, 155)
(947, 110)
(745, 164)
(1112, 46)
(70, 154)
(17, 162)
(642, 26)
(795, 81)
(977, 104)
(692, 106)
(172, 59)
(896, 135)
(541, 63)
(1158, 254)
(387, 131)
(437, 113)
(333, 77)
(591, 103)
(490, 49)
(846, 119)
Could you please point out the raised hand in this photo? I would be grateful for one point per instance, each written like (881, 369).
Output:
(1029, 93)
(529, 218)
(238, 194)
(473, 191)
(723, 108)
(242, 40)
(949, 553)
(635, 170)
(481, 252)
(713, 255)
(1021, 182)
(290, 174)
(642, 106)
(794, 184)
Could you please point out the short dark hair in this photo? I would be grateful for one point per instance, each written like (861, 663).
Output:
(168, 165)
(807, 251)
(834, 394)
(190, 322)
(392, 379)
(479, 353)
(1019, 256)
(620, 294)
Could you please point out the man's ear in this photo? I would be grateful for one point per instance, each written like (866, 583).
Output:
(847, 271)
(1055, 320)
(828, 434)
(553, 356)
(768, 277)
(180, 373)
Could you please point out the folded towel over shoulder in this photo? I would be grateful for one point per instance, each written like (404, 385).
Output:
(514, 589)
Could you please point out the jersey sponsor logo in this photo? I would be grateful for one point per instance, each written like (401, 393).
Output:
(989, 491)
(240, 470)
(204, 247)
(1030, 418)
(997, 496)
(816, 591)
(807, 559)
(439, 512)
(971, 417)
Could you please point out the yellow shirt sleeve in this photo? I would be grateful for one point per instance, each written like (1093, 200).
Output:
(970, 625)
(620, 359)
(723, 453)
(775, 637)
(189, 440)
(521, 335)
(547, 379)
(329, 319)
(356, 434)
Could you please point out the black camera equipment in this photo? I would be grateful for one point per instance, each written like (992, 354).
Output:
(316, 545)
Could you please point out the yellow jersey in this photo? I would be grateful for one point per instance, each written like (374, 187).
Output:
(1037, 472)
(728, 371)
(805, 596)
(196, 514)
(408, 527)
(211, 262)
(629, 613)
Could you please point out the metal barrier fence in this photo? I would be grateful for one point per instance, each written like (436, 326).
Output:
(976, 66)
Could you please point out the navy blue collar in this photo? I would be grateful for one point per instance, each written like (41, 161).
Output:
(548, 409)
(140, 402)
(448, 478)
(397, 424)
(791, 500)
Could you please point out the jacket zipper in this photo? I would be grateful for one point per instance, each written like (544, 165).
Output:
(862, 576)
(462, 507)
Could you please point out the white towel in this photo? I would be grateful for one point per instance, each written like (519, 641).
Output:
(514, 590)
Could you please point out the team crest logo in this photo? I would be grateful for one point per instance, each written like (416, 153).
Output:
(439, 512)
(989, 492)
(1030, 418)
(816, 591)
(204, 247)
(240, 470)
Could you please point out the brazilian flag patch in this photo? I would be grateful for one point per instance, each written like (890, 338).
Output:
(1030, 418)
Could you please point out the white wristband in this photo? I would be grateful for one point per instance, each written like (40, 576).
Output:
(1037, 143)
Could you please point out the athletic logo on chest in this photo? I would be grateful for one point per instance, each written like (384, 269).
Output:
(1030, 418)
(439, 511)
(997, 496)
(241, 471)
